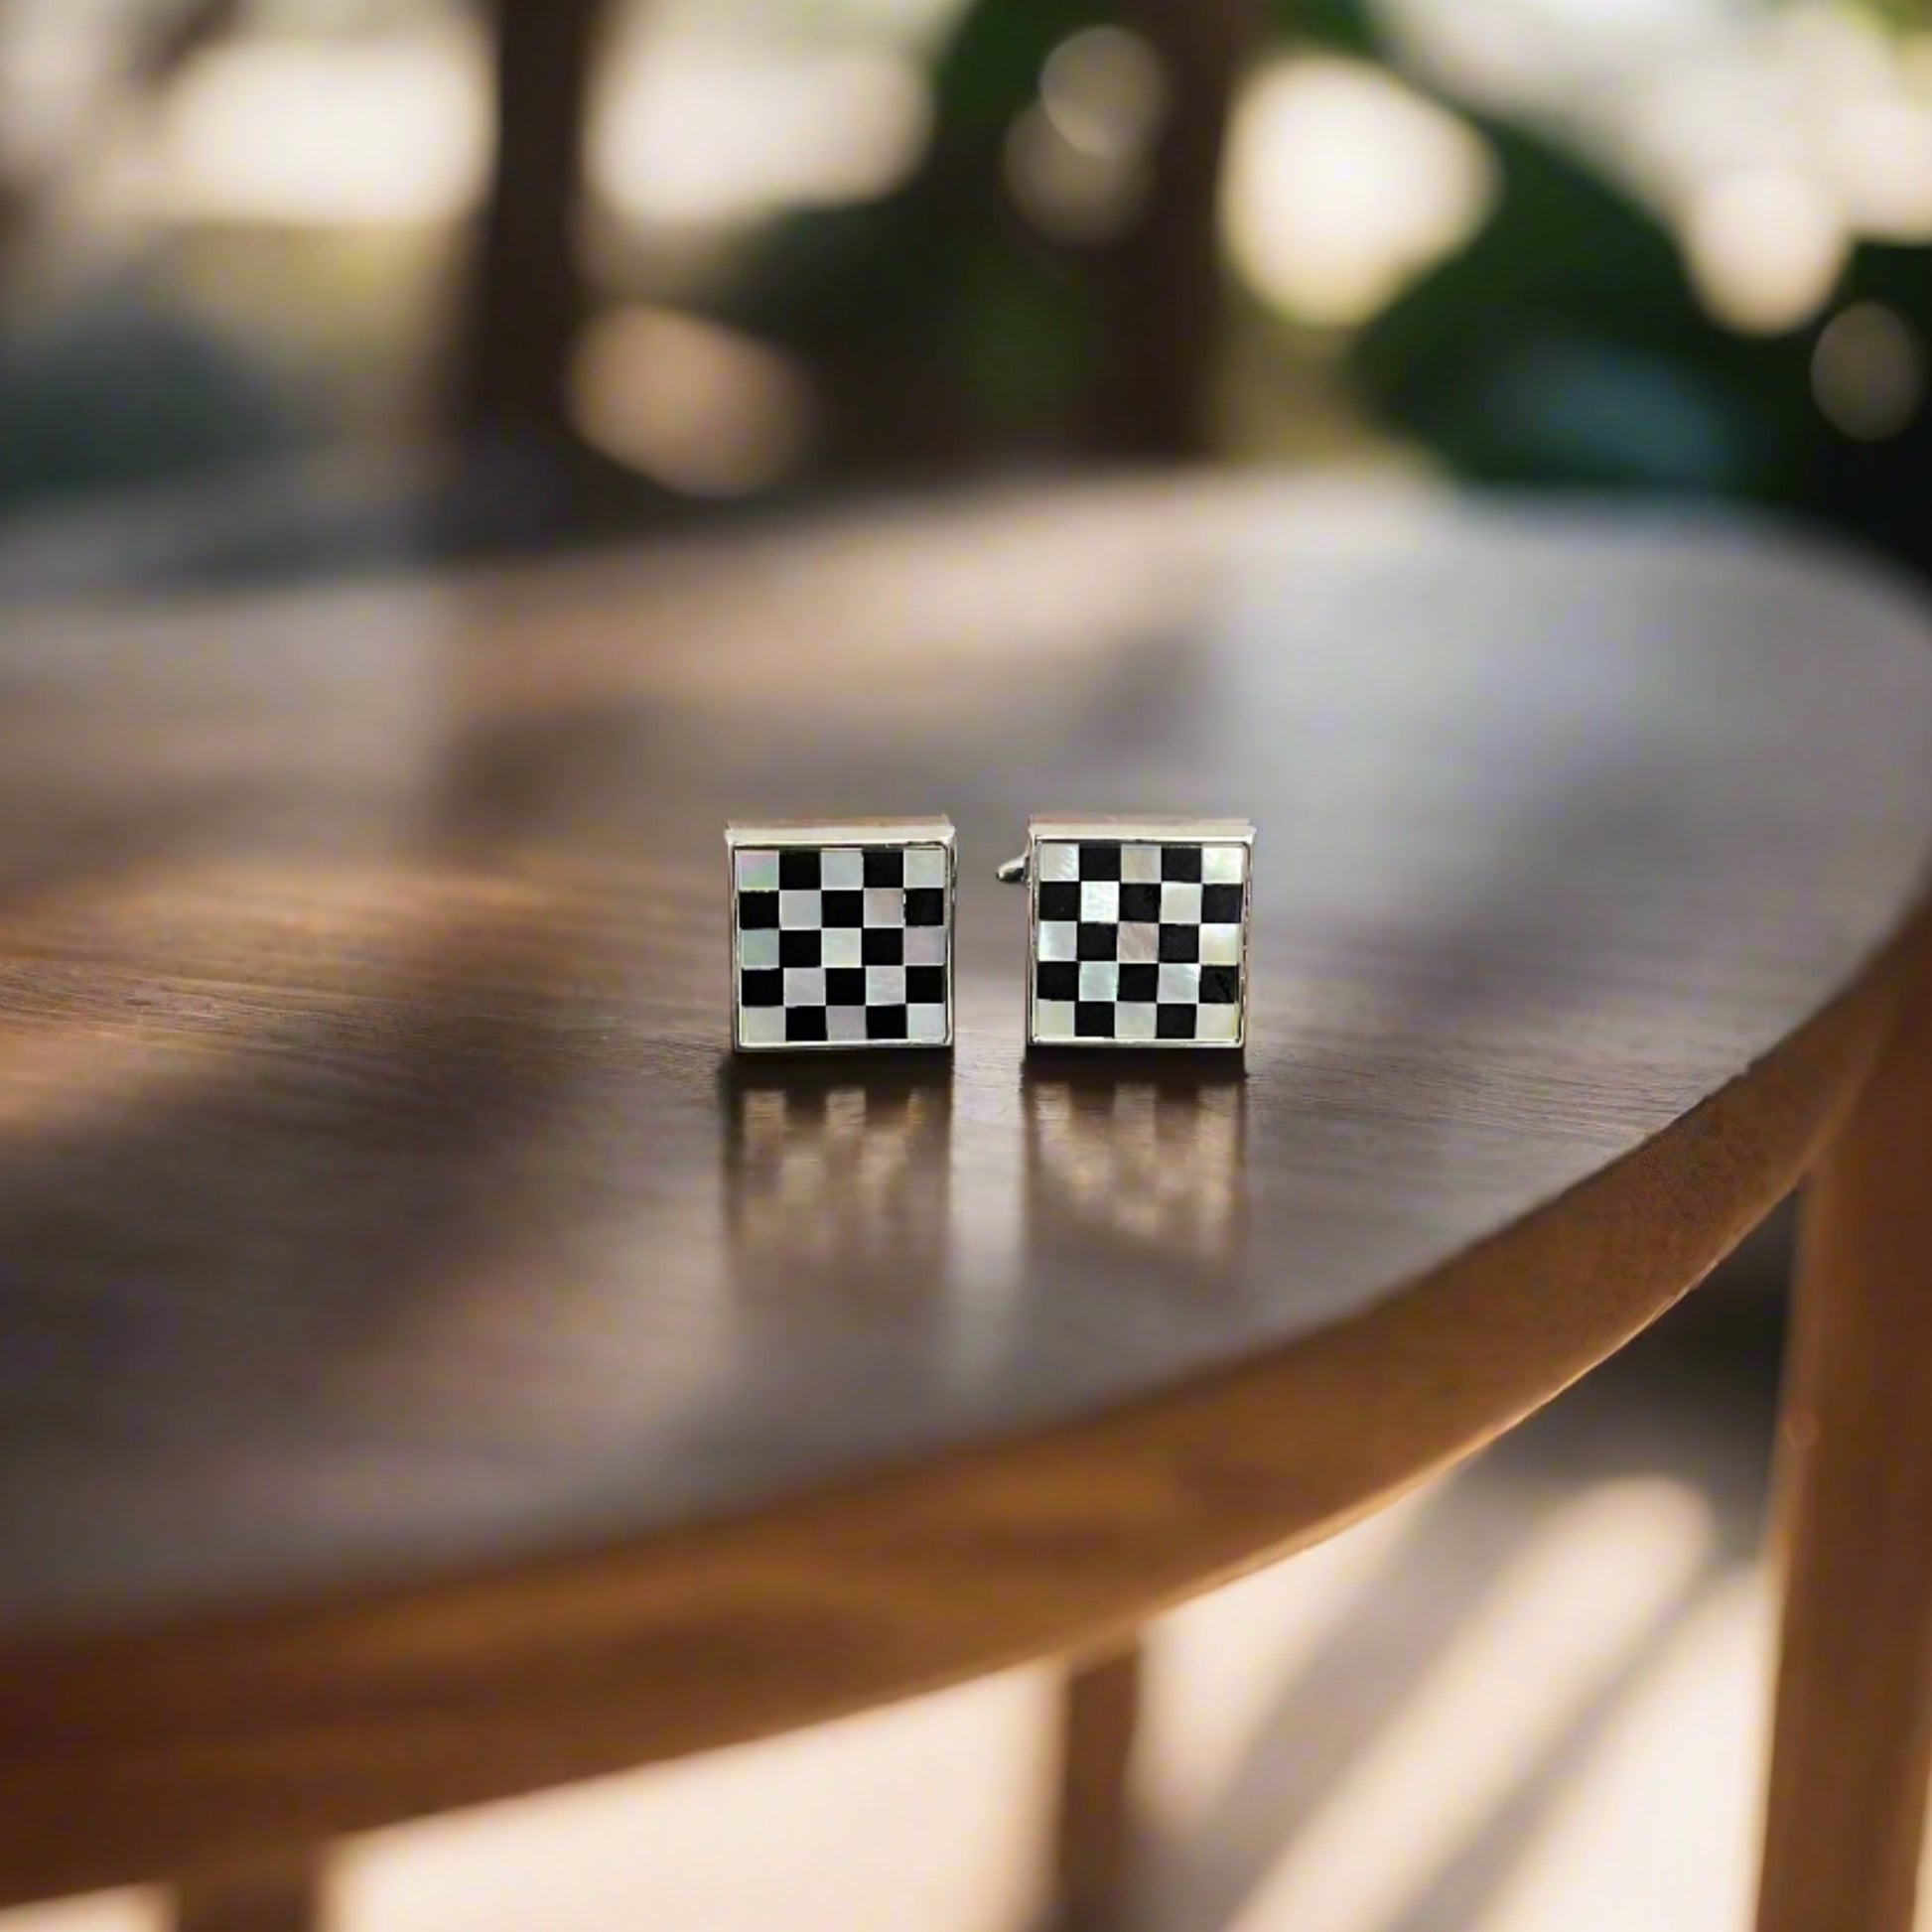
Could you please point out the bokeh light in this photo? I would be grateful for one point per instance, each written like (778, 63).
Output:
(299, 132)
(1868, 372)
(1342, 185)
(703, 130)
(698, 407)
(1079, 161)
(1104, 90)
(1764, 248)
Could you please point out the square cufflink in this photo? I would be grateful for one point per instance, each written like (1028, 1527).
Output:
(841, 934)
(1138, 935)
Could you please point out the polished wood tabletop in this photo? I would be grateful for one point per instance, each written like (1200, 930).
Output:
(431, 1367)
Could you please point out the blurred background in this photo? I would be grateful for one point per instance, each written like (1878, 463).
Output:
(479, 273)
(306, 287)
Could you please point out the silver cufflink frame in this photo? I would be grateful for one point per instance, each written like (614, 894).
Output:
(841, 934)
(1137, 932)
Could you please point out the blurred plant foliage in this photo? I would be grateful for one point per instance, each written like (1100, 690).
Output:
(1564, 348)
(934, 317)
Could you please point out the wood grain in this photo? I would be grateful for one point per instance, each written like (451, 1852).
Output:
(430, 1370)
(1853, 1728)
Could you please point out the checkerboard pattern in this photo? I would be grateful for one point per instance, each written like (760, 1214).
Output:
(842, 946)
(1139, 943)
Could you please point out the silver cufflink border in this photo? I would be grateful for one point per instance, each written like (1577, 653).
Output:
(843, 833)
(889, 834)
(1140, 829)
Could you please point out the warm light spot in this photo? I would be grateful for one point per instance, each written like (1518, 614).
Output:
(1342, 185)
(1070, 193)
(53, 75)
(1558, 1625)
(925, 1816)
(1765, 248)
(1658, 1824)
(1868, 372)
(1077, 161)
(1878, 155)
(705, 132)
(302, 132)
(694, 405)
(1104, 90)
(1675, 102)
(117, 1911)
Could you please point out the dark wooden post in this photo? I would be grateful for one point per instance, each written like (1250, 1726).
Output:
(272, 1896)
(1162, 281)
(526, 297)
(1094, 1833)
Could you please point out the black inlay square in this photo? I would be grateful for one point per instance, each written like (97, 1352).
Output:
(1094, 1019)
(1221, 904)
(845, 986)
(757, 911)
(885, 1023)
(885, 867)
(1220, 986)
(1173, 1022)
(799, 948)
(1097, 939)
(1180, 944)
(1140, 905)
(760, 987)
(805, 1022)
(798, 871)
(925, 905)
(883, 945)
(1059, 979)
(1140, 983)
(925, 986)
(1180, 863)
(1099, 861)
(841, 909)
(1059, 899)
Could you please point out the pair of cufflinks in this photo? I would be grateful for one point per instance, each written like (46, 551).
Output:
(842, 934)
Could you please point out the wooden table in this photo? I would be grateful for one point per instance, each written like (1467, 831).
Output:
(433, 1371)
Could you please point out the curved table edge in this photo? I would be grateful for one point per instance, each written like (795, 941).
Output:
(130, 1754)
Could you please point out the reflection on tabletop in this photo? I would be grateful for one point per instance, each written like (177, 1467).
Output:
(839, 1173)
(1153, 1158)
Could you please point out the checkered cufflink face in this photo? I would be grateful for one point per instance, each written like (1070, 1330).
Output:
(1139, 935)
(841, 935)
